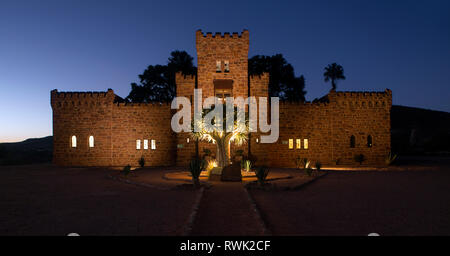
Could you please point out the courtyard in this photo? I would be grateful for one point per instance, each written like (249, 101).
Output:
(49, 200)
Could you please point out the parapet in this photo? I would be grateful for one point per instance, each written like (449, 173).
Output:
(363, 99)
(218, 35)
(80, 98)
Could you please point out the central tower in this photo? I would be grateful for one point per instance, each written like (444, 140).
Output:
(222, 64)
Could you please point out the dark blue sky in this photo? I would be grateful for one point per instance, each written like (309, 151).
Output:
(95, 45)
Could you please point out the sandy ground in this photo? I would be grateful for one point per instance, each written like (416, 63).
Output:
(359, 203)
(48, 200)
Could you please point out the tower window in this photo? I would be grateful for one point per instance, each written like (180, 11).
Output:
(91, 141)
(153, 144)
(145, 144)
(226, 66)
(73, 141)
(305, 143)
(369, 141)
(291, 143)
(352, 141)
(138, 144)
(218, 67)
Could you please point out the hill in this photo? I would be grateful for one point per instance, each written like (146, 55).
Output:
(419, 131)
(37, 150)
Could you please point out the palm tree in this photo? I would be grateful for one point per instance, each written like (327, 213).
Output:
(333, 72)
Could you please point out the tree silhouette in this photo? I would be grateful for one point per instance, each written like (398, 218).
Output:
(157, 83)
(282, 80)
(333, 72)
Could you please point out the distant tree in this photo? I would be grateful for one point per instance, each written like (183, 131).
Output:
(333, 72)
(282, 80)
(157, 83)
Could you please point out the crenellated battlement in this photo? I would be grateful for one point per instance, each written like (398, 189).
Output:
(209, 35)
(361, 99)
(144, 104)
(64, 99)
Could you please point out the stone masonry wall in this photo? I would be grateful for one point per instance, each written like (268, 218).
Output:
(115, 128)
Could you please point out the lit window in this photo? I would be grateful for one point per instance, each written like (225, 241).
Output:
(91, 141)
(138, 144)
(153, 144)
(369, 141)
(74, 141)
(291, 143)
(297, 144)
(352, 141)
(145, 144)
(218, 68)
(187, 140)
(226, 66)
(305, 143)
(257, 140)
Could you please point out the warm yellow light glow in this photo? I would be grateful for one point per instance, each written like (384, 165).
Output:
(297, 144)
(211, 164)
(305, 143)
(153, 144)
(291, 143)
(91, 141)
(138, 144)
(74, 141)
(145, 144)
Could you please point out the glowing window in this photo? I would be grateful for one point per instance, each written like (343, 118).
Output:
(298, 144)
(91, 141)
(153, 144)
(352, 141)
(291, 143)
(218, 67)
(187, 140)
(138, 144)
(74, 141)
(145, 144)
(369, 141)
(305, 143)
(226, 66)
(257, 140)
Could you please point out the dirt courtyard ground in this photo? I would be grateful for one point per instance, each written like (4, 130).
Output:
(359, 203)
(49, 200)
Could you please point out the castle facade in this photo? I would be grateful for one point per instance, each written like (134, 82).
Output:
(93, 129)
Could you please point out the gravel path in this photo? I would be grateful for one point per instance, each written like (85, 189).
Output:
(226, 210)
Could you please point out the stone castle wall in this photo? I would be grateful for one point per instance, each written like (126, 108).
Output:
(115, 128)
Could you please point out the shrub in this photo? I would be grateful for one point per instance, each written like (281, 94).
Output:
(141, 161)
(126, 170)
(318, 165)
(195, 167)
(309, 171)
(390, 158)
(247, 165)
(298, 162)
(359, 158)
(261, 174)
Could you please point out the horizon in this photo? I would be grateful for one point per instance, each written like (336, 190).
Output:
(82, 46)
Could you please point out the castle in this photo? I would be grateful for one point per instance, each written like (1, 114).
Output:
(94, 129)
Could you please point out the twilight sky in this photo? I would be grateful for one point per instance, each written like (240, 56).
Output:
(96, 45)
